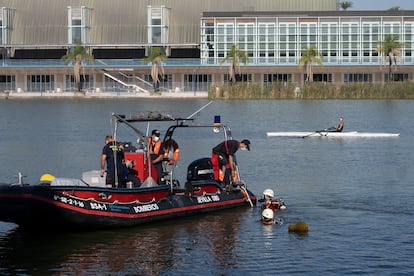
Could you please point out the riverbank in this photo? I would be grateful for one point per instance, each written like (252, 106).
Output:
(310, 91)
(91, 95)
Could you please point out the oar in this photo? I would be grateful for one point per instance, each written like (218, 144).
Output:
(318, 131)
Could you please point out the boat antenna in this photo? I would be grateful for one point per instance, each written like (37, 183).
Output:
(20, 178)
(198, 110)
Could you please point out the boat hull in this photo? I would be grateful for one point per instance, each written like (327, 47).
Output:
(353, 134)
(70, 208)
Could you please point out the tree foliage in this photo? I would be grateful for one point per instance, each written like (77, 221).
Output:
(234, 57)
(389, 49)
(310, 56)
(77, 54)
(395, 8)
(156, 57)
(345, 5)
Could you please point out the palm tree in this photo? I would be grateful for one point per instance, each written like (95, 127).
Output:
(234, 57)
(345, 5)
(77, 55)
(156, 57)
(389, 48)
(309, 57)
(395, 8)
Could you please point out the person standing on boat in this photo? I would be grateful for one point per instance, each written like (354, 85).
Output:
(223, 155)
(156, 154)
(113, 157)
(130, 175)
(338, 128)
(171, 152)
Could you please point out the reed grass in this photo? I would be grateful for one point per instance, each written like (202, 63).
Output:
(315, 90)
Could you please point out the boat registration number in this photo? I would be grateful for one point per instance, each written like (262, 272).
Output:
(70, 201)
(208, 199)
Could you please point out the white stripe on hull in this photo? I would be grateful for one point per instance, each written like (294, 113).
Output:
(331, 134)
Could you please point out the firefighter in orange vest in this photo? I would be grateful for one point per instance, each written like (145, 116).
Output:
(154, 147)
(171, 152)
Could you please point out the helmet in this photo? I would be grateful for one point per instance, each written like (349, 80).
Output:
(268, 193)
(47, 178)
(268, 214)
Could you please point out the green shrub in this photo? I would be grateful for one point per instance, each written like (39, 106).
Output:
(314, 90)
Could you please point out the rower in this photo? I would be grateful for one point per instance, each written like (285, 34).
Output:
(338, 128)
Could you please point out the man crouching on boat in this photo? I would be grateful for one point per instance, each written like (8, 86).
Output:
(223, 155)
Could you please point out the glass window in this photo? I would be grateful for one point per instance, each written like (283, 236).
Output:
(312, 29)
(303, 29)
(8, 82)
(357, 77)
(6, 25)
(197, 82)
(78, 24)
(396, 28)
(354, 29)
(40, 83)
(345, 29)
(282, 29)
(87, 82)
(387, 28)
(322, 77)
(158, 24)
(1, 32)
(274, 78)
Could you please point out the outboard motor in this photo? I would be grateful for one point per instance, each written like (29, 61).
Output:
(200, 169)
(128, 147)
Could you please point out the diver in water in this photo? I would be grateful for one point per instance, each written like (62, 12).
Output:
(269, 202)
(268, 216)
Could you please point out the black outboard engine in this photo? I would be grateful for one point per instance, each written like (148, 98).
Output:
(200, 169)
(128, 147)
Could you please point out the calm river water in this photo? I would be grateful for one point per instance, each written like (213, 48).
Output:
(356, 194)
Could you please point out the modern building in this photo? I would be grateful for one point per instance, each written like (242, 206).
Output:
(195, 35)
(347, 40)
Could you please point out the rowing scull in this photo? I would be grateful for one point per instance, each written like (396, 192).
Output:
(354, 134)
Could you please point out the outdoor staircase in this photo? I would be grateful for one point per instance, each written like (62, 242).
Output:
(133, 83)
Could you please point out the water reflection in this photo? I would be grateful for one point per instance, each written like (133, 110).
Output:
(356, 194)
(148, 250)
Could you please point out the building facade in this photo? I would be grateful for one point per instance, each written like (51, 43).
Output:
(195, 35)
(348, 42)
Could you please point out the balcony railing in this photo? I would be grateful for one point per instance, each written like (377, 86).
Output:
(202, 62)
